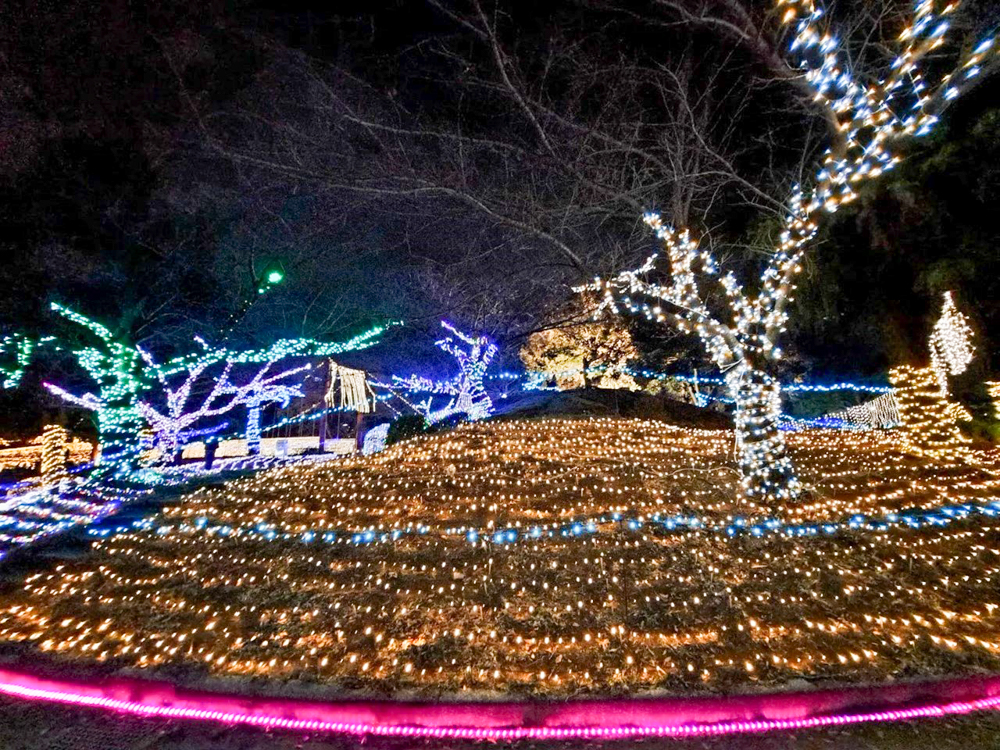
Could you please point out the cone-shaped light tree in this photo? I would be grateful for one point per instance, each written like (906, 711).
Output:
(950, 344)
(867, 118)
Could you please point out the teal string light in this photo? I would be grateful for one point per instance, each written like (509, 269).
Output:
(16, 353)
(123, 373)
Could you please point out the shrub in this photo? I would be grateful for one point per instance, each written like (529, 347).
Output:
(407, 426)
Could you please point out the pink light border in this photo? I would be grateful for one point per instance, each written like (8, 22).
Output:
(600, 719)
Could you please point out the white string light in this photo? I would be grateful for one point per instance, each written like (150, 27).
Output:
(355, 394)
(867, 119)
(375, 439)
(469, 396)
(950, 344)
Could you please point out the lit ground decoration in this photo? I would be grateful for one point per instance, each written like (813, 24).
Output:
(548, 558)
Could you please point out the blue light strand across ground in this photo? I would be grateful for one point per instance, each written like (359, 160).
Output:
(607, 523)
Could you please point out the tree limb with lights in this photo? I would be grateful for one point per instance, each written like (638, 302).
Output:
(126, 376)
(866, 120)
(177, 415)
(16, 353)
(469, 396)
(261, 390)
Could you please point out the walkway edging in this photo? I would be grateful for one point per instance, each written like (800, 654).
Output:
(543, 720)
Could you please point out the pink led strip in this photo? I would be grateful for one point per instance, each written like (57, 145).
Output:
(278, 714)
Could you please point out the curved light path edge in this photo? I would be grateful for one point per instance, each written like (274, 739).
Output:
(540, 720)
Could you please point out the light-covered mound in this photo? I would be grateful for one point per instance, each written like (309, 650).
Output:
(549, 556)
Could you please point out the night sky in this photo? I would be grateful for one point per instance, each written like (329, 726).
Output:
(156, 158)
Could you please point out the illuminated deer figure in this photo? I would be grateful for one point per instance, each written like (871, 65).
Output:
(866, 119)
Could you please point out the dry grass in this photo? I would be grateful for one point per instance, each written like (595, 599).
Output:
(612, 610)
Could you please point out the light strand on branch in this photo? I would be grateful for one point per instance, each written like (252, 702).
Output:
(879, 413)
(124, 374)
(469, 396)
(866, 119)
(18, 350)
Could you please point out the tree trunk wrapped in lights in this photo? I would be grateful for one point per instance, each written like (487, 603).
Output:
(765, 467)
(176, 417)
(54, 454)
(865, 119)
(116, 368)
(125, 374)
(264, 391)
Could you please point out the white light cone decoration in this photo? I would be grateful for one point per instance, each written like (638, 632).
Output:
(950, 344)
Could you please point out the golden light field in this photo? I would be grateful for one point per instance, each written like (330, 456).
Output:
(554, 556)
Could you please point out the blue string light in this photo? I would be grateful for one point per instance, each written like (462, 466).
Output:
(605, 523)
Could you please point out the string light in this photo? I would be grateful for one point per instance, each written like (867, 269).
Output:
(177, 416)
(375, 439)
(314, 414)
(572, 354)
(950, 344)
(355, 393)
(469, 396)
(54, 454)
(568, 555)
(879, 413)
(928, 421)
(867, 120)
(123, 372)
(37, 513)
(20, 350)
(511, 721)
(260, 391)
(993, 388)
(31, 454)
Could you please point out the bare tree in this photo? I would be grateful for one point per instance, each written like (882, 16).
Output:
(533, 153)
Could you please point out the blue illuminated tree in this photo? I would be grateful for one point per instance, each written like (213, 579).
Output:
(469, 397)
(127, 379)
